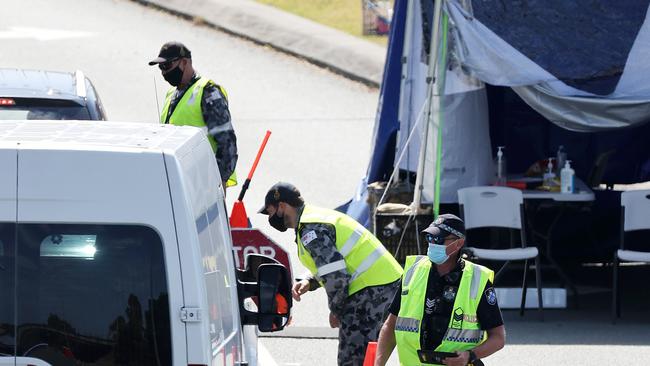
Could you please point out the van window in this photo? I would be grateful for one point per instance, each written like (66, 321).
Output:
(217, 276)
(7, 279)
(225, 300)
(92, 295)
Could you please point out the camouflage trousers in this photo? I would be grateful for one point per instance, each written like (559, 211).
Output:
(361, 321)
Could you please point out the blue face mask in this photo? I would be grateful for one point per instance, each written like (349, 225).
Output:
(437, 253)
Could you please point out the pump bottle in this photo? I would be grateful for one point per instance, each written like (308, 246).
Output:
(501, 167)
(567, 178)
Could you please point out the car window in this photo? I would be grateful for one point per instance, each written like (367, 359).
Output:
(7, 280)
(92, 295)
(40, 108)
(94, 101)
(36, 113)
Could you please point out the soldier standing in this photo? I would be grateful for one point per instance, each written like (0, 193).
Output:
(359, 275)
(198, 101)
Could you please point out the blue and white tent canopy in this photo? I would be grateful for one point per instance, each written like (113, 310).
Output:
(583, 65)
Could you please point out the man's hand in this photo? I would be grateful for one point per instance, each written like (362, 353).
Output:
(334, 321)
(460, 360)
(299, 288)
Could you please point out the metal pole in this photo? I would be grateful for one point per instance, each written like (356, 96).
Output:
(404, 113)
(431, 73)
(440, 86)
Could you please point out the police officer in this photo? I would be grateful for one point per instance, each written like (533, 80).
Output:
(445, 304)
(198, 101)
(359, 275)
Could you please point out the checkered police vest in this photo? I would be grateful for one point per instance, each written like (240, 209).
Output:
(365, 258)
(188, 113)
(463, 332)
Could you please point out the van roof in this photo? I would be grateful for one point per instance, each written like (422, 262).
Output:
(94, 135)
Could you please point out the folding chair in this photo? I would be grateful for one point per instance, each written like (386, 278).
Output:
(635, 215)
(501, 207)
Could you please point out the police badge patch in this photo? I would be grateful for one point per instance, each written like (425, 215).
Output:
(449, 293)
(491, 296)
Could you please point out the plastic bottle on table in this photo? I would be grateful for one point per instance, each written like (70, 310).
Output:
(549, 175)
(560, 159)
(501, 167)
(567, 178)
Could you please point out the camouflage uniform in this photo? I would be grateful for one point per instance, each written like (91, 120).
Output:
(216, 115)
(362, 314)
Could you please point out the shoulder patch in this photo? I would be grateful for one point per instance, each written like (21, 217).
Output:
(491, 296)
(308, 237)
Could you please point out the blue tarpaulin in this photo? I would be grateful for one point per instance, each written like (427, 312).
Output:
(553, 72)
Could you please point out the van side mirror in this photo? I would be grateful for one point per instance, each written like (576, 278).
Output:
(264, 293)
(251, 263)
(274, 296)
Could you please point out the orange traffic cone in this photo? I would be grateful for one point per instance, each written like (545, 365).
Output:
(238, 216)
(371, 352)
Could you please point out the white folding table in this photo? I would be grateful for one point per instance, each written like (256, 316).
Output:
(581, 195)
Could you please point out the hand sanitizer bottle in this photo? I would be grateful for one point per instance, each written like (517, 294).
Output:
(501, 167)
(567, 178)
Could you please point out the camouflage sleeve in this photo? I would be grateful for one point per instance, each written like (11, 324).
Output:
(320, 242)
(217, 119)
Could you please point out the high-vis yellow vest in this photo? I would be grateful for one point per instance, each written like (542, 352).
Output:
(463, 332)
(188, 113)
(365, 258)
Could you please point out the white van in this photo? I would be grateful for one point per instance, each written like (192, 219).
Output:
(115, 249)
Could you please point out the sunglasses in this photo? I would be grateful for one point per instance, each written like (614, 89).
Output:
(438, 239)
(164, 66)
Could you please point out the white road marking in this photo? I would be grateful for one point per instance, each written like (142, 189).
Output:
(41, 34)
(264, 358)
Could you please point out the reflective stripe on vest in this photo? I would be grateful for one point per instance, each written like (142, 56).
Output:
(365, 259)
(188, 113)
(331, 268)
(463, 331)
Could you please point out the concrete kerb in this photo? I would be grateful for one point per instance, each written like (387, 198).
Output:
(343, 54)
(304, 333)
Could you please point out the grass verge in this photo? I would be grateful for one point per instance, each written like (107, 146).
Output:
(344, 15)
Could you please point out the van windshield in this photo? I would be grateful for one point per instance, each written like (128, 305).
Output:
(86, 294)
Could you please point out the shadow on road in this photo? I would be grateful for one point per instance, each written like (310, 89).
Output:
(590, 323)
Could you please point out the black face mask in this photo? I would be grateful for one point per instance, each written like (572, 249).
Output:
(174, 76)
(277, 222)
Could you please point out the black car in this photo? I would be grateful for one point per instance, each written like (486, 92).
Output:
(37, 94)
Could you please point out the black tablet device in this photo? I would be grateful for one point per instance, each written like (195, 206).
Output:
(434, 357)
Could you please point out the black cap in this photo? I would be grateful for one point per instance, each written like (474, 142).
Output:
(445, 225)
(282, 192)
(171, 51)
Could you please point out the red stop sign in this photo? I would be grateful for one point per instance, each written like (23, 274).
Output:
(249, 240)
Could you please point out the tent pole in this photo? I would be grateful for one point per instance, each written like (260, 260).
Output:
(431, 73)
(408, 39)
(441, 82)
